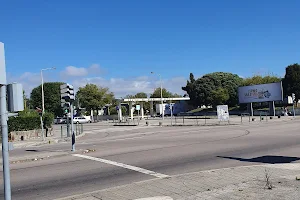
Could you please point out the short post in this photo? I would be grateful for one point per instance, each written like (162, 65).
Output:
(197, 120)
(81, 128)
(76, 129)
(61, 131)
(183, 120)
(294, 109)
(42, 126)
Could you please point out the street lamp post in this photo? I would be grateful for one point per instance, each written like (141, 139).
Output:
(161, 96)
(42, 79)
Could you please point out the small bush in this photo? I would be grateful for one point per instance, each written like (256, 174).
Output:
(29, 120)
(113, 111)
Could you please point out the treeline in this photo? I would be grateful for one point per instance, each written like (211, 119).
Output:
(222, 88)
(211, 89)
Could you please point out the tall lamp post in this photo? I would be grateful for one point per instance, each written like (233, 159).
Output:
(42, 79)
(161, 96)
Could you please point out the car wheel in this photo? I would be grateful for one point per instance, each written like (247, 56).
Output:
(77, 122)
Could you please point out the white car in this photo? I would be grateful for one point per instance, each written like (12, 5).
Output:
(81, 120)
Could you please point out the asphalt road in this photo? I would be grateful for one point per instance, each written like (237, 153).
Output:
(168, 151)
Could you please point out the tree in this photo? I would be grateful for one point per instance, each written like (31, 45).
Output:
(203, 90)
(51, 100)
(141, 95)
(220, 96)
(165, 93)
(257, 79)
(291, 81)
(93, 97)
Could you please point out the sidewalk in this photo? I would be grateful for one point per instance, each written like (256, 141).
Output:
(247, 182)
(55, 137)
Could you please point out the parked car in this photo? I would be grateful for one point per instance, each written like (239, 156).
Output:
(60, 120)
(81, 120)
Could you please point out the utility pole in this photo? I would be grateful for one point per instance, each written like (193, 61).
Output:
(5, 155)
(11, 95)
(4, 128)
(42, 80)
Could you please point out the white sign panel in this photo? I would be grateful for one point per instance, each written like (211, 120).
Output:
(223, 114)
(138, 107)
(2, 65)
(261, 93)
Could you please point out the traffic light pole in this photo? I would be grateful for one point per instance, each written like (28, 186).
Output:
(5, 155)
(68, 126)
(72, 126)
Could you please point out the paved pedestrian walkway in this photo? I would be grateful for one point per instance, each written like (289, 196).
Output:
(265, 182)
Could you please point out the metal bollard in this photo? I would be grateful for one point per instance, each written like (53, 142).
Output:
(61, 131)
(76, 129)
(81, 128)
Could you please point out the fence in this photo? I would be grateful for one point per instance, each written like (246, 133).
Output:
(78, 130)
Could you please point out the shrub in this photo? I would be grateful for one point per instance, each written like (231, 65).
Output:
(29, 120)
(113, 111)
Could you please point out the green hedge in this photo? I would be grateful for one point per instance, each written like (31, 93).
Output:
(28, 120)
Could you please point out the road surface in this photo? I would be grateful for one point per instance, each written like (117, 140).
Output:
(126, 155)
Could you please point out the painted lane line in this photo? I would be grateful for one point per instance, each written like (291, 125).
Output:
(137, 169)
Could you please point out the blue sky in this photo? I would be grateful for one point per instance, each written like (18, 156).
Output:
(118, 43)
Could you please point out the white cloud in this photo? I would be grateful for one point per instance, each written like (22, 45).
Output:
(75, 71)
(121, 87)
(72, 71)
(28, 80)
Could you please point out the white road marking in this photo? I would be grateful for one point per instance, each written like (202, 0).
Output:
(137, 169)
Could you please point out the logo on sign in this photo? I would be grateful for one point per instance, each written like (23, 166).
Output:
(258, 94)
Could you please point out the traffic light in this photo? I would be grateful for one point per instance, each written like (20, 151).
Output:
(67, 92)
(67, 97)
(66, 110)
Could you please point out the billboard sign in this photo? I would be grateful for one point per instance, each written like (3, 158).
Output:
(261, 93)
(223, 113)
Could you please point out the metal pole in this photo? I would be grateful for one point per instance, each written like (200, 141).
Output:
(72, 126)
(61, 131)
(161, 98)
(68, 126)
(43, 98)
(5, 155)
(274, 111)
(138, 117)
(43, 135)
(294, 109)
(171, 114)
(251, 107)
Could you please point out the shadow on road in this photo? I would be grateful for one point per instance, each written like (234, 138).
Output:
(265, 159)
